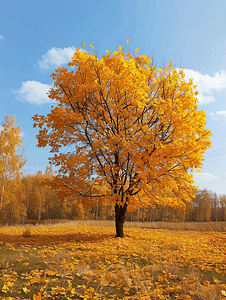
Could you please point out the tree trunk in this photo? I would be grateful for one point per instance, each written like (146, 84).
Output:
(97, 210)
(39, 212)
(120, 213)
(2, 197)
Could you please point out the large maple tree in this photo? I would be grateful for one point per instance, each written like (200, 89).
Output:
(117, 121)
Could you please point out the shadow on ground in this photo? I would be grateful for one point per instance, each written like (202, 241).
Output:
(40, 240)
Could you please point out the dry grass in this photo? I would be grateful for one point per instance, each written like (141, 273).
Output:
(193, 226)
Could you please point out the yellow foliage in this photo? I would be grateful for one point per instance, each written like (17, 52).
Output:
(126, 125)
(11, 162)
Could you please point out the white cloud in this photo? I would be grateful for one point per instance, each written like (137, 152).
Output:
(56, 57)
(22, 134)
(33, 92)
(221, 113)
(206, 84)
(204, 176)
(218, 115)
(1, 37)
(212, 115)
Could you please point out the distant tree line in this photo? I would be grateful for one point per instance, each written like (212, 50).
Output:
(37, 202)
(205, 207)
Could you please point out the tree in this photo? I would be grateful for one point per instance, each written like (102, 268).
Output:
(11, 162)
(40, 201)
(117, 120)
(223, 207)
(215, 207)
(202, 204)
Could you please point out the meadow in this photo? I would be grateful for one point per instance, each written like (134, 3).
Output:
(88, 262)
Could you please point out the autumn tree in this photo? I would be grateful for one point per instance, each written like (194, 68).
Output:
(202, 205)
(117, 120)
(222, 199)
(40, 201)
(11, 162)
(215, 207)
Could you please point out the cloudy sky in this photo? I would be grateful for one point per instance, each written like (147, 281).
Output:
(38, 36)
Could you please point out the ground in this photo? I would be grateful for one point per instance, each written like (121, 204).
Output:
(88, 262)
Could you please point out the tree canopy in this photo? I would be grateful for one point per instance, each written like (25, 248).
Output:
(119, 122)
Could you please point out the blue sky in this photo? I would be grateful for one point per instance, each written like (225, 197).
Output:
(37, 36)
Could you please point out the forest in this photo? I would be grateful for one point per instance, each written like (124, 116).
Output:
(37, 202)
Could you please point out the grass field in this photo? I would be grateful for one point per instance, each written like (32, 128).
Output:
(87, 262)
(194, 226)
